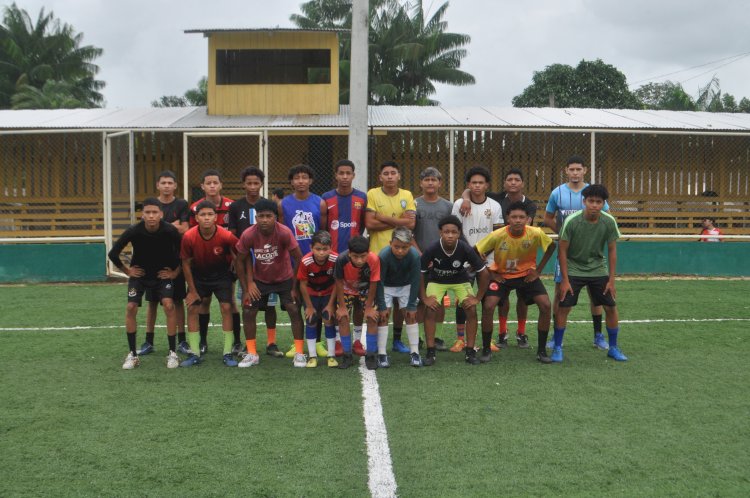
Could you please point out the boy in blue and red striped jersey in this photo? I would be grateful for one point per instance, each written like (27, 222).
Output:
(317, 285)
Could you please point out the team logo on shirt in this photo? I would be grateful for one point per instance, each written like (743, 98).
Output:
(227, 203)
(526, 244)
(494, 286)
(304, 225)
(357, 205)
(488, 212)
(266, 254)
(218, 251)
(456, 264)
(503, 246)
(403, 204)
(335, 225)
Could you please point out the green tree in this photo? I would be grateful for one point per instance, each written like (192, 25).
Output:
(33, 53)
(665, 96)
(744, 105)
(197, 96)
(408, 52)
(53, 95)
(729, 103)
(591, 84)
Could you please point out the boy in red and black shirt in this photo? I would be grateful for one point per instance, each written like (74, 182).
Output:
(207, 255)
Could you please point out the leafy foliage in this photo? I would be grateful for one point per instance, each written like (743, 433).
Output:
(44, 64)
(197, 96)
(408, 52)
(666, 96)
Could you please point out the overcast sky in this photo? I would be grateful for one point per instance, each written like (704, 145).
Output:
(146, 53)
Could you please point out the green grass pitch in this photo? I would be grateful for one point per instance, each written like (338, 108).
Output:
(672, 421)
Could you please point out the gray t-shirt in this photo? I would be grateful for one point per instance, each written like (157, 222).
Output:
(428, 214)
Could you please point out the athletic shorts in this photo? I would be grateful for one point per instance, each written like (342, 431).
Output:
(178, 294)
(273, 299)
(526, 291)
(351, 299)
(161, 289)
(319, 304)
(220, 286)
(283, 289)
(401, 294)
(460, 291)
(595, 286)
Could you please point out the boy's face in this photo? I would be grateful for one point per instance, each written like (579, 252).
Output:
(399, 248)
(206, 218)
(449, 234)
(344, 176)
(478, 185)
(593, 205)
(390, 177)
(707, 223)
(517, 220)
(321, 252)
(575, 172)
(151, 216)
(252, 185)
(166, 186)
(301, 182)
(513, 184)
(265, 220)
(430, 185)
(211, 186)
(358, 259)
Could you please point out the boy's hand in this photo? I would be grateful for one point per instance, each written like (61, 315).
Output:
(135, 272)
(310, 314)
(465, 208)
(431, 302)
(167, 273)
(411, 316)
(371, 313)
(342, 313)
(531, 276)
(565, 289)
(469, 302)
(610, 289)
(251, 294)
(192, 298)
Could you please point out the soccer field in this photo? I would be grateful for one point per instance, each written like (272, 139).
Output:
(671, 421)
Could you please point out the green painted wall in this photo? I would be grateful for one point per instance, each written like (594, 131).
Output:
(86, 262)
(52, 263)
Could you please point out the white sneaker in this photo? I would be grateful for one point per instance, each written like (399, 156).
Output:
(249, 360)
(131, 361)
(173, 361)
(300, 360)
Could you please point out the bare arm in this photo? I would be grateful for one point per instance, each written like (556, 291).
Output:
(323, 215)
(465, 208)
(373, 224)
(192, 294)
(565, 287)
(534, 274)
(551, 222)
(612, 260)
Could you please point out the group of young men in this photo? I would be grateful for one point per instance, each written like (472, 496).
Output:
(309, 253)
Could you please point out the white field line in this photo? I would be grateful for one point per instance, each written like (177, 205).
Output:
(96, 327)
(381, 481)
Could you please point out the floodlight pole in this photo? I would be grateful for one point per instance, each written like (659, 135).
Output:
(358, 92)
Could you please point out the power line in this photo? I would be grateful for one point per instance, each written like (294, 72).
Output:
(713, 69)
(734, 57)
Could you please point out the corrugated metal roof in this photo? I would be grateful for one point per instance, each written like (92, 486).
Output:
(379, 117)
(277, 29)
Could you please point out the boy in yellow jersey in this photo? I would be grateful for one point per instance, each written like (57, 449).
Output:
(388, 207)
(514, 267)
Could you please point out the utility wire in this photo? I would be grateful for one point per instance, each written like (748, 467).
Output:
(734, 58)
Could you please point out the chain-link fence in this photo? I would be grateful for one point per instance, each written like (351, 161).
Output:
(51, 184)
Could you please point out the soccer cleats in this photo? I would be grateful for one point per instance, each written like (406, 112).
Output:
(486, 355)
(299, 360)
(384, 361)
(502, 341)
(494, 348)
(184, 348)
(339, 349)
(146, 348)
(557, 355)
(346, 361)
(321, 350)
(236, 349)
(358, 349)
(173, 361)
(543, 358)
(273, 350)
(371, 361)
(430, 357)
(332, 362)
(312, 362)
(439, 344)
(615, 353)
(400, 347)
(600, 342)
(229, 360)
(191, 361)
(458, 346)
(131, 361)
(523, 341)
(204, 348)
(249, 360)
(471, 356)
(292, 351)
(416, 360)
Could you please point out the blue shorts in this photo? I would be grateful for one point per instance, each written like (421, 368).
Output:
(319, 303)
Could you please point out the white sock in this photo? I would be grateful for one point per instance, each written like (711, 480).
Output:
(357, 335)
(412, 332)
(311, 348)
(338, 334)
(383, 340)
(331, 343)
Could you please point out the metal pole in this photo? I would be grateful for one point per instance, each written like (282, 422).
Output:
(107, 194)
(131, 175)
(593, 157)
(452, 162)
(188, 189)
(358, 92)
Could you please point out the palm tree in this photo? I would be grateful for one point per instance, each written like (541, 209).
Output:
(53, 95)
(408, 53)
(34, 52)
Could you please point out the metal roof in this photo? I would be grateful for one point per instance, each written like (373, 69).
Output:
(208, 31)
(181, 118)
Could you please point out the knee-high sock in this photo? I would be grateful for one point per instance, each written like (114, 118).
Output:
(412, 332)
(382, 340)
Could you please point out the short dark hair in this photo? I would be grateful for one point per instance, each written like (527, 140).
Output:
(300, 168)
(359, 244)
(166, 174)
(575, 160)
(321, 237)
(151, 201)
(513, 171)
(709, 218)
(205, 204)
(343, 162)
(266, 205)
(278, 192)
(252, 171)
(518, 205)
(210, 172)
(595, 190)
(451, 219)
(478, 170)
(386, 164)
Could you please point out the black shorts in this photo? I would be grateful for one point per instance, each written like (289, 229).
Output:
(160, 289)
(220, 286)
(526, 291)
(283, 289)
(351, 301)
(596, 287)
(178, 294)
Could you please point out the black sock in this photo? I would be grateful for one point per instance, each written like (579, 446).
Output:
(131, 342)
(203, 319)
(541, 342)
(486, 338)
(236, 325)
(397, 333)
(181, 336)
(318, 330)
(597, 319)
(150, 338)
(460, 316)
(172, 342)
